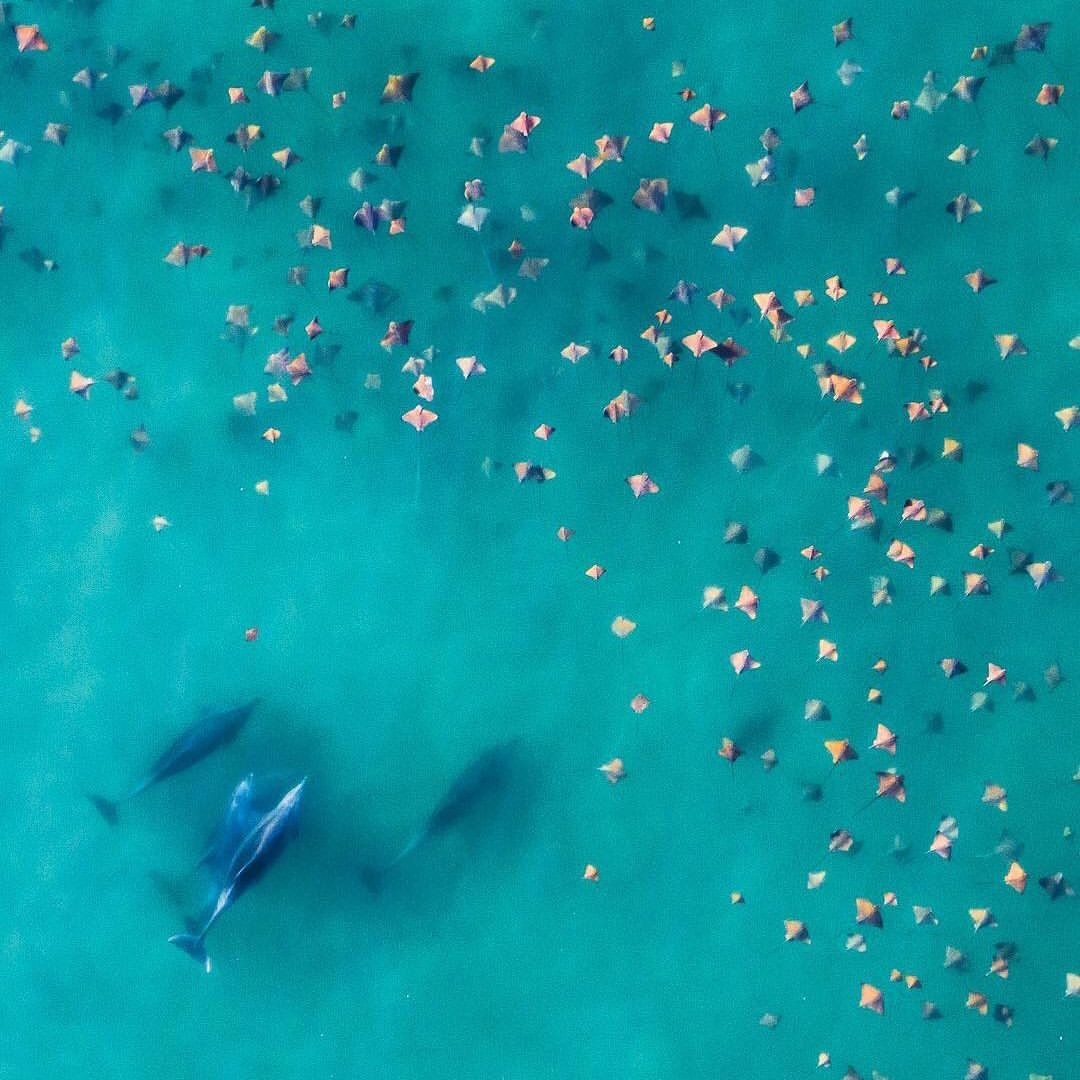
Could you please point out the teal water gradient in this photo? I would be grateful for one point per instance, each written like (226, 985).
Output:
(415, 606)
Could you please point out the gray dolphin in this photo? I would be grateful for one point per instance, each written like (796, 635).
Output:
(210, 731)
(483, 775)
(253, 856)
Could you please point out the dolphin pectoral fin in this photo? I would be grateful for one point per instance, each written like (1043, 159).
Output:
(106, 808)
(194, 947)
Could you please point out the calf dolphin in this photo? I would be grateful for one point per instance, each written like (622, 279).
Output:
(484, 774)
(253, 856)
(211, 730)
(240, 818)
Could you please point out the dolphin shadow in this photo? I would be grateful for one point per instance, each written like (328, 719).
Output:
(478, 826)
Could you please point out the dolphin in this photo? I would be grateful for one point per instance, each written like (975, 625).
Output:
(240, 818)
(211, 730)
(480, 777)
(253, 856)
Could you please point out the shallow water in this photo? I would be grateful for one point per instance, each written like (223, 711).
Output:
(415, 607)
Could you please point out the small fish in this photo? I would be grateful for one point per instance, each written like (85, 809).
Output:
(212, 730)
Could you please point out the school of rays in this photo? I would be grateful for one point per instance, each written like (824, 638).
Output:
(842, 361)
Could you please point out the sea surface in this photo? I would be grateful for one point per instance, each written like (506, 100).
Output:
(409, 603)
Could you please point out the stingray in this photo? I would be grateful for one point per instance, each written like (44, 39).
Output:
(847, 72)
(707, 116)
(1007, 848)
(374, 296)
(1050, 94)
(1032, 37)
(113, 112)
(11, 150)
(1003, 53)
(651, 195)
(36, 259)
(168, 94)
(202, 77)
(962, 207)
(1056, 886)
(1040, 146)
(258, 188)
(967, 87)
(730, 236)
(801, 97)
(1059, 491)
(684, 291)
(592, 199)
(28, 38)
(689, 206)
(88, 77)
(740, 391)
(176, 138)
(930, 97)
(399, 88)
(765, 559)
(244, 135)
(56, 133)
(761, 171)
(261, 39)
(962, 154)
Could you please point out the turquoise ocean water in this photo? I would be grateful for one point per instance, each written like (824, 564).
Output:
(414, 605)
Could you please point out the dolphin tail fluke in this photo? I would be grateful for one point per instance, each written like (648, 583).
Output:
(106, 808)
(194, 947)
